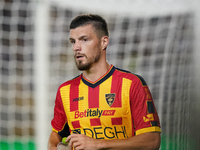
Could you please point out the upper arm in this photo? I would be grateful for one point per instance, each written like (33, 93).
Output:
(151, 140)
(60, 119)
(54, 139)
(144, 114)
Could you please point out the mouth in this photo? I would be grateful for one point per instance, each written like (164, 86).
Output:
(79, 56)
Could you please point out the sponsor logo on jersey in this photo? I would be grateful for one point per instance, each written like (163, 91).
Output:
(113, 132)
(77, 131)
(93, 113)
(148, 117)
(148, 94)
(110, 98)
(78, 99)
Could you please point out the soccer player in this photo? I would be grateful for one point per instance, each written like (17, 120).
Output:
(104, 107)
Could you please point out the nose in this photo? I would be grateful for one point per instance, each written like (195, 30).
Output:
(76, 46)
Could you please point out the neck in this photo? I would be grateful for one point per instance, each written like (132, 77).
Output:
(96, 72)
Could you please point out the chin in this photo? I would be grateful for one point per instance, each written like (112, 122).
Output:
(83, 67)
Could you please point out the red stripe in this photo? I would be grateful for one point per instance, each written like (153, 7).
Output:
(116, 121)
(93, 97)
(116, 88)
(95, 122)
(76, 124)
(74, 94)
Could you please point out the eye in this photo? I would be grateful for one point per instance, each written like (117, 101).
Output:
(72, 41)
(84, 40)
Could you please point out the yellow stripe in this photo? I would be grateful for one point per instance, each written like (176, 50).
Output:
(149, 129)
(65, 95)
(64, 92)
(83, 104)
(83, 92)
(125, 94)
(54, 130)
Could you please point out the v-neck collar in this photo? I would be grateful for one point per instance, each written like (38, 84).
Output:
(100, 80)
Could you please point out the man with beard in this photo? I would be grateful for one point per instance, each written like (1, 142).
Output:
(105, 107)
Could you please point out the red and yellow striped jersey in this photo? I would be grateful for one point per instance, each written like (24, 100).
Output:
(117, 106)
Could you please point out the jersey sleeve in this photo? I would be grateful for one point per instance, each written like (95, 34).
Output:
(144, 114)
(59, 121)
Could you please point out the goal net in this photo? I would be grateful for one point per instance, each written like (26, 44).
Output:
(16, 75)
(154, 39)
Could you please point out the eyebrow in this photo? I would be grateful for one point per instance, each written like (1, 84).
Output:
(70, 39)
(81, 37)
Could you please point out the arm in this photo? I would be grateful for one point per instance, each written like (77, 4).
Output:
(146, 141)
(54, 139)
(58, 123)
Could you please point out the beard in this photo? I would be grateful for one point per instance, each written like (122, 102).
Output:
(87, 65)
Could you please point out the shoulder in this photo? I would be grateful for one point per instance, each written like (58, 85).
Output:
(75, 81)
(129, 75)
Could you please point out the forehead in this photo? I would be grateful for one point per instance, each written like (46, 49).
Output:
(82, 31)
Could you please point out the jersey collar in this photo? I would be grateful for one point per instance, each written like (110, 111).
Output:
(100, 80)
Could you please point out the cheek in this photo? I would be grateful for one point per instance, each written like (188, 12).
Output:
(88, 49)
(91, 48)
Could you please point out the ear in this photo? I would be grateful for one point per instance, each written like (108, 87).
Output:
(104, 42)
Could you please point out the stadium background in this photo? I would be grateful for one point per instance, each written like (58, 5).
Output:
(156, 39)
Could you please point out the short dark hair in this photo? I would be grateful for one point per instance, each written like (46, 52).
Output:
(96, 21)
